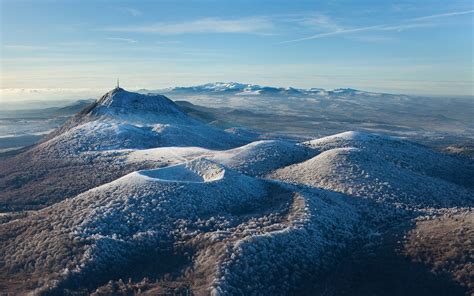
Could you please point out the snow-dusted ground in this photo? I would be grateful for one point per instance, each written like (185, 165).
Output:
(384, 169)
(256, 158)
(195, 205)
(233, 225)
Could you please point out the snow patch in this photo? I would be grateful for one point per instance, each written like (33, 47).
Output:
(197, 172)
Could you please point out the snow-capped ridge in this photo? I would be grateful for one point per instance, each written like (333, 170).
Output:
(349, 136)
(261, 157)
(254, 89)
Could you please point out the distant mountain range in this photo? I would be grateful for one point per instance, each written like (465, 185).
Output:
(253, 89)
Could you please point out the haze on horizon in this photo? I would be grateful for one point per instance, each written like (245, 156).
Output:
(383, 46)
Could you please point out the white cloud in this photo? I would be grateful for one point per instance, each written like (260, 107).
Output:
(337, 32)
(320, 22)
(404, 25)
(255, 25)
(128, 40)
(398, 28)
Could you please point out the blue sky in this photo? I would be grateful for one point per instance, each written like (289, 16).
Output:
(420, 47)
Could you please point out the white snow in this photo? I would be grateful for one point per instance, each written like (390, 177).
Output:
(167, 154)
(127, 120)
(232, 222)
(256, 158)
(253, 89)
(197, 172)
(381, 168)
(260, 157)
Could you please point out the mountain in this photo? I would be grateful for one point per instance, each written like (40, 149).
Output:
(122, 119)
(86, 145)
(252, 89)
(434, 121)
(384, 169)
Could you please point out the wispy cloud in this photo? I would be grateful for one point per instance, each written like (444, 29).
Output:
(130, 11)
(404, 25)
(373, 38)
(435, 16)
(255, 25)
(26, 47)
(337, 32)
(127, 40)
(319, 22)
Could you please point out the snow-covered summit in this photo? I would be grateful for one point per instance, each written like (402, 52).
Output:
(122, 119)
(121, 102)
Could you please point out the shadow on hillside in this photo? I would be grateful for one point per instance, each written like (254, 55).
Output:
(145, 269)
(381, 269)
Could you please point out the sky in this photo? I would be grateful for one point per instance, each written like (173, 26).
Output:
(413, 47)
